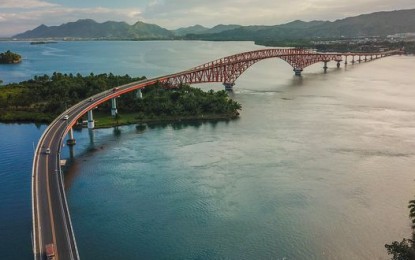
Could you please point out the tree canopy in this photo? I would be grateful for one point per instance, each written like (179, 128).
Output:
(9, 57)
(42, 98)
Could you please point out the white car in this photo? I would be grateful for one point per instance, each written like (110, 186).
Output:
(47, 151)
(65, 117)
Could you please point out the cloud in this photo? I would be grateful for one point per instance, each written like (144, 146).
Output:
(19, 21)
(24, 4)
(17, 16)
(175, 13)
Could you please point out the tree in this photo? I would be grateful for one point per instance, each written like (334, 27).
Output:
(404, 250)
(401, 250)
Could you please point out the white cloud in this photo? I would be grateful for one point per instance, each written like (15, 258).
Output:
(175, 13)
(20, 15)
(21, 20)
(25, 4)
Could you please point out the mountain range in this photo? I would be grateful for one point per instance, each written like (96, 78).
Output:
(374, 24)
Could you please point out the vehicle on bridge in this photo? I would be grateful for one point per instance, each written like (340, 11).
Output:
(115, 89)
(47, 151)
(50, 251)
(65, 117)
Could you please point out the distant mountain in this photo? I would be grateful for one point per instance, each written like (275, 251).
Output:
(374, 24)
(222, 28)
(87, 28)
(198, 29)
(195, 29)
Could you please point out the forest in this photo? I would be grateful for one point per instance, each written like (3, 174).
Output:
(43, 98)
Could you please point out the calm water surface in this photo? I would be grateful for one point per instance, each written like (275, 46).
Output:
(318, 167)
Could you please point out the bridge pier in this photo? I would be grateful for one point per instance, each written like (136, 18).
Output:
(345, 60)
(360, 59)
(228, 85)
(139, 94)
(365, 58)
(71, 152)
(338, 63)
(91, 135)
(114, 110)
(353, 59)
(325, 66)
(71, 141)
(91, 122)
(297, 71)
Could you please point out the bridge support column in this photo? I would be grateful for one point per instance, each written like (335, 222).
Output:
(365, 58)
(91, 122)
(325, 67)
(71, 141)
(338, 64)
(353, 60)
(345, 60)
(139, 94)
(114, 110)
(360, 59)
(91, 136)
(297, 71)
(228, 86)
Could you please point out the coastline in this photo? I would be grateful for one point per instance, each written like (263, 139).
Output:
(103, 121)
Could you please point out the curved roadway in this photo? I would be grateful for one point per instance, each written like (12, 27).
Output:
(51, 218)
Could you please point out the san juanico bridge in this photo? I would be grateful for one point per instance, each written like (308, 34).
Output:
(53, 235)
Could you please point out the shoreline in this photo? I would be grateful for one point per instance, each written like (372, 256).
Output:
(159, 120)
(128, 119)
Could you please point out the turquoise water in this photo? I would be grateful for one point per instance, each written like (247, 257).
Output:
(319, 167)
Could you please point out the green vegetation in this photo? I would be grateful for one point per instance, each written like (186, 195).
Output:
(369, 46)
(90, 29)
(404, 250)
(342, 45)
(9, 57)
(379, 24)
(160, 104)
(43, 98)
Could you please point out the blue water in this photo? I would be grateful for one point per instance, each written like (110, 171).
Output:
(318, 167)
(16, 153)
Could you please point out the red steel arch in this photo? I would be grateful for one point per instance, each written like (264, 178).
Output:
(228, 69)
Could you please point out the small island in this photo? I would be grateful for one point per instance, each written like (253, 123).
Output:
(43, 98)
(9, 57)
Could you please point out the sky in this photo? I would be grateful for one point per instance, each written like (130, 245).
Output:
(17, 16)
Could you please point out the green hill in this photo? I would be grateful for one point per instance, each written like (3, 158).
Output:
(374, 24)
(90, 29)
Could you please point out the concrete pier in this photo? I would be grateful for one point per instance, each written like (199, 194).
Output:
(71, 141)
(325, 67)
(91, 135)
(338, 64)
(228, 86)
(297, 71)
(114, 110)
(139, 94)
(91, 122)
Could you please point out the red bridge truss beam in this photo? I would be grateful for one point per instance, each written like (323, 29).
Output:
(228, 69)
